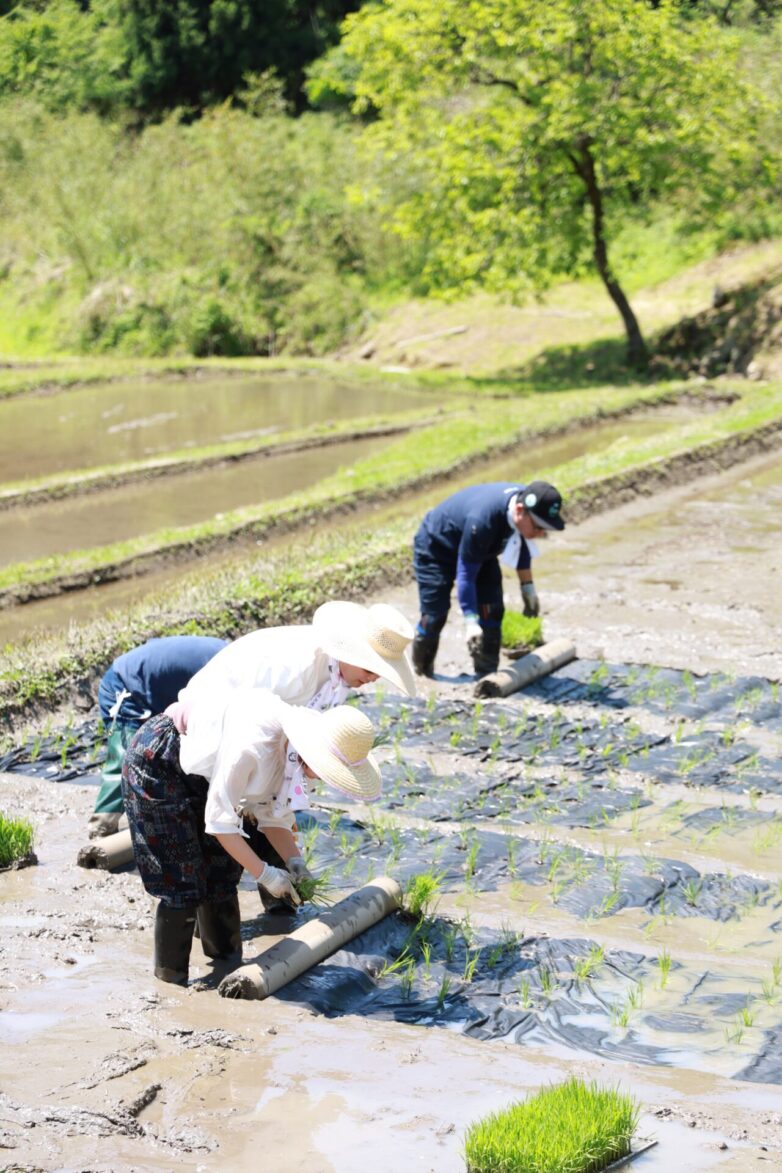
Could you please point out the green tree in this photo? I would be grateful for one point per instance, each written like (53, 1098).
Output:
(153, 56)
(537, 128)
(197, 52)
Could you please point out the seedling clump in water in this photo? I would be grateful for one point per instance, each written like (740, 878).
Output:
(16, 840)
(572, 1127)
(421, 894)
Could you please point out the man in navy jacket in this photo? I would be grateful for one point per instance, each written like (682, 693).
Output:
(462, 540)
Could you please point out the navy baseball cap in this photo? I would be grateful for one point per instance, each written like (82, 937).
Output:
(544, 503)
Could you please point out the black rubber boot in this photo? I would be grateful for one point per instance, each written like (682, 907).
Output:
(486, 657)
(219, 927)
(173, 938)
(424, 651)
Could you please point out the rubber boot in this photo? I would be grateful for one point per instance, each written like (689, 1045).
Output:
(219, 927)
(173, 938)
(424, 651)
(109, 798)
(103, 823)
(486, 657)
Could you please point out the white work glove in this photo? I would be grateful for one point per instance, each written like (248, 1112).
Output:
(278, 884)
(531, 600)
(473, 632)
(298, 868)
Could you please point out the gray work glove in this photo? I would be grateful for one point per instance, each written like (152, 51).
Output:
(298, 868)
(473, 633)
(531, 600)
(278, 884)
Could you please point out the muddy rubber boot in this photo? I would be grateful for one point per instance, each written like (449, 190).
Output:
(219, 927)
(486, 658)
(173, 938)
(103, 823)
(424, 651)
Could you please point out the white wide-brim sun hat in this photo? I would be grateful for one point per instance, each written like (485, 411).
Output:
(336, 745)
(373, 638)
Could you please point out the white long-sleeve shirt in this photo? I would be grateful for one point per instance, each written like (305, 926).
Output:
(249, 765)
(285, 661)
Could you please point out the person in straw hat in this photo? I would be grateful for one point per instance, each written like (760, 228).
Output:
(188, 829)
(346, 646)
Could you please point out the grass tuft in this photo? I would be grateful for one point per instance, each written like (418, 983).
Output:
(572, 1127)
(16, 840)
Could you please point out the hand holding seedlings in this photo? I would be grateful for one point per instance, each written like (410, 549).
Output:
(298, 869)
(278, 884)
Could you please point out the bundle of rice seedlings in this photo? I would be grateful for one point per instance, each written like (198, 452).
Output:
(16, 840)
(422, 892)
(315, 890)
(572, 1127)
(521, 633)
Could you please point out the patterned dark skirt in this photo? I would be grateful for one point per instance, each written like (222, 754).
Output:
(179, 863)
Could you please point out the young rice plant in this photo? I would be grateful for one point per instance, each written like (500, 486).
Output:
(572, 1127)
(16, 839)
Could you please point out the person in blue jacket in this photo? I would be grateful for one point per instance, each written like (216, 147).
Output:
(138, 685)
(461, 540)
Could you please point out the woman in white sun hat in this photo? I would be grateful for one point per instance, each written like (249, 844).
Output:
(188, 830)
(346, 646)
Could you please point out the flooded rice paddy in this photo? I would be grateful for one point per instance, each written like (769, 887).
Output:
(607, 850)
(104, 424)
(112, 514)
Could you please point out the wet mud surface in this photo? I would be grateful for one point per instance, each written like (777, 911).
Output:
(608, 849)
(596, 912)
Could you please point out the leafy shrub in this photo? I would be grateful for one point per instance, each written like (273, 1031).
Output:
(321, 315)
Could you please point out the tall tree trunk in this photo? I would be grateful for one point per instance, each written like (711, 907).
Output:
(637, 354)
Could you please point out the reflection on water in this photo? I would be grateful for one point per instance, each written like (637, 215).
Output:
(96, 519)
(101, 425)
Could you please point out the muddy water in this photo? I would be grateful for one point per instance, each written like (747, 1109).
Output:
(116, 514)
(54, 614)
(100, 425)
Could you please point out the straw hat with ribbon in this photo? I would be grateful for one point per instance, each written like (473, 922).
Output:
(336, 745)
(373, 638)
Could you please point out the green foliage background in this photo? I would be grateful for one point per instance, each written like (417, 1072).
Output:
(169, 184)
